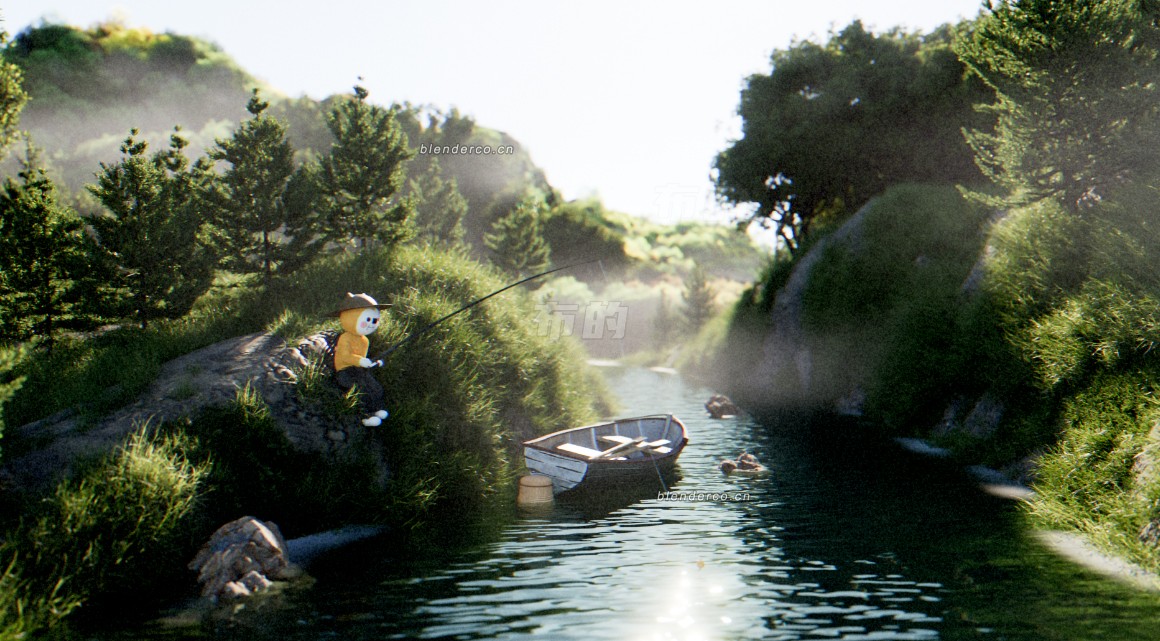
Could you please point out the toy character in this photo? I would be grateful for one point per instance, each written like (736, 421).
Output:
(359, 315)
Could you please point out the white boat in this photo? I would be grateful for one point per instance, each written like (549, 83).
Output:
(624, 450)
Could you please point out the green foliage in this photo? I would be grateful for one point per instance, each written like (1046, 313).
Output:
(834, 124)
(1087, 481)
(1078, 295)
(154, 228)
(10, 358)
(464, 395)
(579, 231)
(264, 209)
(699, 299)
(1076, 96)
(362, 177)
(89, 86)
(439, 207)
(12, 98)
(490, 182)
(118, 530)
(45, 271)
(889, 308)
(665, 325)
(517, 242)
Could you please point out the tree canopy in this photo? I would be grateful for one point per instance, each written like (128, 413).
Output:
(834, 124)
(1077, 106)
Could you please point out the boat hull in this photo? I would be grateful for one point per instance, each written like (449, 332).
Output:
(647, 461)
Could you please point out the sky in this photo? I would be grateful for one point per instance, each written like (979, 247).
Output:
(627, 100)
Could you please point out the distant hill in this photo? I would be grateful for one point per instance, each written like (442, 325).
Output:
(89, 87)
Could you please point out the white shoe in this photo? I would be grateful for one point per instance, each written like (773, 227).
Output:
(372, 421)
(381, 414)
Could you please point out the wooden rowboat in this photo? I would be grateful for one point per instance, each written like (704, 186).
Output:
(619, 451)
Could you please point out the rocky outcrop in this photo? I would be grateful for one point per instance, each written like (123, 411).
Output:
(786, 374)
(211, 376)
(242, 557)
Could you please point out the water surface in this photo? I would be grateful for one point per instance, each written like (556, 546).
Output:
(845, 539)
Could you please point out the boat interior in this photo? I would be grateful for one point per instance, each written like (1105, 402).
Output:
(628, 439)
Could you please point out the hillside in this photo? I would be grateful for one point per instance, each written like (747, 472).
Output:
(89, 87)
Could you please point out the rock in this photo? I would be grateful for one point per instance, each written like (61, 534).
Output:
(214, 375)
(241, 558)
(720, 406)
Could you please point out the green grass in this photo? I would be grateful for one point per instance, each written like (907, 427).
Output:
(462, 398)
(118, 530)
(886, 307)
(1088, 481)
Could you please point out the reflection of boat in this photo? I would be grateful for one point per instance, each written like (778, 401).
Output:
(620, 451)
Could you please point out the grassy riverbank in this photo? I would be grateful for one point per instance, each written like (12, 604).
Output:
(461, 399)
(932, 305)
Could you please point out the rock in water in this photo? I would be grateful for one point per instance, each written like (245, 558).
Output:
(720, 406)
(241, 558)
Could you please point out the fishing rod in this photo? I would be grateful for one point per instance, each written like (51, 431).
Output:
(429, 326)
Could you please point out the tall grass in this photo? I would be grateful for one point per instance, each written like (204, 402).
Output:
(120, 529)
(467, 392)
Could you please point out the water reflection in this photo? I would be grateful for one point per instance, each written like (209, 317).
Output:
(844, 539)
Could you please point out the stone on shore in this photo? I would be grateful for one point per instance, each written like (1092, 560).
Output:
(241, 558)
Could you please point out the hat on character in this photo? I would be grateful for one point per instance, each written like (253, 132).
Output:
(357, 301)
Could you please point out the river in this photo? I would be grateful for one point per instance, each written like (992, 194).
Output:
(846, 538)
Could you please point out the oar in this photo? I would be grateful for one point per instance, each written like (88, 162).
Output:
(429, 326)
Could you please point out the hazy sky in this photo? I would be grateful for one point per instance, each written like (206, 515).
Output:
(627, 99)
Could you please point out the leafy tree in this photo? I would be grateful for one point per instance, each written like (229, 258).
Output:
(362, 176)
(44, 257)
(834, 124)
(699, 299)
(1077, 106)
(581, 231)
(12, 97)
(439, 207)
(516, 241)
(265, 210)
(154, 228)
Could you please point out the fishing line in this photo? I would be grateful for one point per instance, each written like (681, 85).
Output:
(430, 326)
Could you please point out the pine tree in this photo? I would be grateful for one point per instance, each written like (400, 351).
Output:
(362, 177)
(516, 241)
(439, 207)
(1078, 96)
(698, 297)
(154, 228)
(264, 211)
(44, 257)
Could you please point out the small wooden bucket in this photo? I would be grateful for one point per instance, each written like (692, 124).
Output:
(534, 489)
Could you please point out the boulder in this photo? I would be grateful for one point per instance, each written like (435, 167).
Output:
(241, 558)
(720, 406)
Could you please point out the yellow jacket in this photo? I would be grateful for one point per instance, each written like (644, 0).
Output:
(351, 346)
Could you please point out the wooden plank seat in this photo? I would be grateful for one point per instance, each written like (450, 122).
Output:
(573, 448)
(657, 446)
